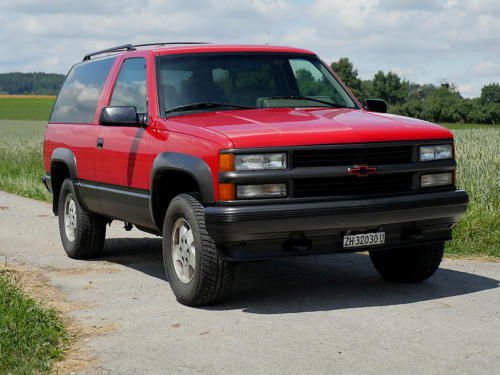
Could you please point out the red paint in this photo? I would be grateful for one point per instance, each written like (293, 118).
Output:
(128, 153)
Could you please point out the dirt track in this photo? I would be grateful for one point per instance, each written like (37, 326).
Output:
(309, 315)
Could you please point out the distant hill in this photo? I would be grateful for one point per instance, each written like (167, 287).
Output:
(31, 83)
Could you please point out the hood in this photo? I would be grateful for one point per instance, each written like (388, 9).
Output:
(306, 126)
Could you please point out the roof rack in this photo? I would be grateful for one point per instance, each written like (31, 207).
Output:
(131, 47)
(126, 47)
(164, 43)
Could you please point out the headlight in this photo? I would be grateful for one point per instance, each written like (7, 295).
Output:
(436, 152)
(259, 161)
(436, 179)
(261, 191)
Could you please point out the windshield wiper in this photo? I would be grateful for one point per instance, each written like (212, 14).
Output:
(298, 97)
(203, 105)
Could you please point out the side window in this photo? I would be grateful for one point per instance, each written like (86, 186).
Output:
(316, 81)
(309, 79)
(77, 101)
(130, 87)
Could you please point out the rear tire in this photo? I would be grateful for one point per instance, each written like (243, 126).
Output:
(196, 273)
(82, 232)
(408, 265)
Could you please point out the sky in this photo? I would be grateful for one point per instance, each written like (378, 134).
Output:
(423, 41)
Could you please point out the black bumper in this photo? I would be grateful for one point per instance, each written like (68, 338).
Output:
(315, 227)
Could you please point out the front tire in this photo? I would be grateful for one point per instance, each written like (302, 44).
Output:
(408, 265)
(196, 273)
(82, 233)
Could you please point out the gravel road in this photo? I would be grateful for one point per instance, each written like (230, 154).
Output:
(314, 315)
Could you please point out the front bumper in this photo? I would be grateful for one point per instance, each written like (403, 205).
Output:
(277, 229)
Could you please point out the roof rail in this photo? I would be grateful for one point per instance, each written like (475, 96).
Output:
(126, 47)
(164, 43)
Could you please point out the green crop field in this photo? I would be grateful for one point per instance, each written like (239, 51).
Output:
(26, 107)
(478, 172)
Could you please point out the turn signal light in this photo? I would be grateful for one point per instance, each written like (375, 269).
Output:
(226, 192)
(226, 162)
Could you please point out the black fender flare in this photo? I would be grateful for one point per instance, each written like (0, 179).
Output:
(195, 167)
(66, 157)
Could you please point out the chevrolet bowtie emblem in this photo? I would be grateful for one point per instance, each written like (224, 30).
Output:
(361, 171)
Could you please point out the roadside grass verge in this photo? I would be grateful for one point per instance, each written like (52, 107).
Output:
(31, 335)
(28, 107)
(478, 157)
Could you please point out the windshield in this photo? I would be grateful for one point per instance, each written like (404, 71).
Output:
(251, 80)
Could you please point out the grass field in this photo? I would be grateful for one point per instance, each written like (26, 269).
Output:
(26, 107)
(478, 157)
(31, 335)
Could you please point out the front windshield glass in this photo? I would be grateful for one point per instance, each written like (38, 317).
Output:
(255, 80)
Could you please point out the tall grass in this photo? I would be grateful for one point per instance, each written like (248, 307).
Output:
(21, 159)
(478, 172)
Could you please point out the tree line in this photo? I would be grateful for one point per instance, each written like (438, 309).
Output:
(31, 83)
(426, 102)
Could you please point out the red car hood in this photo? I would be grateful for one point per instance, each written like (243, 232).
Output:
(287, 127)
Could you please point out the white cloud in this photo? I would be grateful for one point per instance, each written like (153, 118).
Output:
(467, 91)
(487, 67)
(481, 6)
(421, 40)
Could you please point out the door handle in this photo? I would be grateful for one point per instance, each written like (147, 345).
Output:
(100, 143)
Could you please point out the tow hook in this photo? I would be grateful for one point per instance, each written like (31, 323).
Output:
(297, 242)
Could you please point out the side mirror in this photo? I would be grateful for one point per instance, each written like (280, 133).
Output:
(122, 116)
(375, 105)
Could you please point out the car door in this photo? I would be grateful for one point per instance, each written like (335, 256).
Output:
(122, 160)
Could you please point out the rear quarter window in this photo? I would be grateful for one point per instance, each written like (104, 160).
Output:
(77, 101)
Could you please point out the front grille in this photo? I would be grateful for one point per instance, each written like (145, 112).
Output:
(352, 185)
(352, 156)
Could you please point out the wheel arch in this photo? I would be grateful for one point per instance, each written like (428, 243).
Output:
(62, 166)
(187, 172)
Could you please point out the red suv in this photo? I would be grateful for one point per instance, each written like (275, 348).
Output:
(237, 152)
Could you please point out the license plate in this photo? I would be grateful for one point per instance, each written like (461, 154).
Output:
(364, 239)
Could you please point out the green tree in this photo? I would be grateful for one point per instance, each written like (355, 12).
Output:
(412, 108)
(31, 83)
(345, 70)
(484, 113)
(389, 87)
(446, 105)
(490, 93)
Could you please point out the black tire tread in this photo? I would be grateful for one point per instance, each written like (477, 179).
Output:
(216, 274)
(91, 233)
(408, 265)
